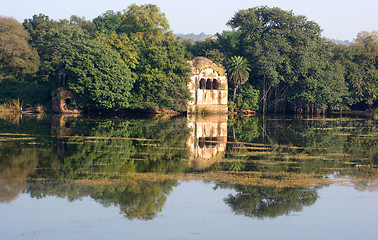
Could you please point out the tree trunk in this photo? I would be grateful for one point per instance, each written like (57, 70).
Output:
(275, 101)
(235, 89)
(233, 99)
(264, 97)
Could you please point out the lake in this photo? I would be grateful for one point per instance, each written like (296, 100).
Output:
(213, 177)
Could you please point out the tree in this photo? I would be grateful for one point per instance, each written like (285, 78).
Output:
(238, 74)
(162, 72)
(109, 22)
(360, 63)
(17, 58)
(368, 44)
(161, 75)
(87, 26)
(94, 71)
(98, 75)
(40, 28)
(321, 84)
(365, 84)
(275, 43)
(142, 39)
(228, 43)
(247, 98)
(127, 48)
(144, 18)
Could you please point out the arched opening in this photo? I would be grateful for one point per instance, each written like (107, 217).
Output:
(208, 142)
(68, 100)
(201, 142)
(208, 84)
(202, 83)
(215, 84)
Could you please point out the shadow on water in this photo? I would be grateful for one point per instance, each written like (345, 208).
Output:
(274, 165)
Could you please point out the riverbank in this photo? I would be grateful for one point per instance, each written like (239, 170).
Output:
(15, 107)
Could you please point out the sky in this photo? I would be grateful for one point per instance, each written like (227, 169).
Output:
(339, 19)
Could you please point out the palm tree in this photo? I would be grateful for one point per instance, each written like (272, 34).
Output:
(238, 74)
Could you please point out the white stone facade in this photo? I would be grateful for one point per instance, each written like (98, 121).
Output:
(208, 87)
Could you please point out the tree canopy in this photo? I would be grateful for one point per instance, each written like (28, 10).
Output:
(131, 59)
(162, 71)
(17, 58)
(293, 68)
(94, 71)
(97, 75)
(99, 55)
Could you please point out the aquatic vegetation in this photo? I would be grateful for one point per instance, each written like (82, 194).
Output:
(112, 152)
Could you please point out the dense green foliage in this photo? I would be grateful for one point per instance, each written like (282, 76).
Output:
(97, 75)
(360, 61)
(131, 59)
(119, 60)
(17, 58)
(279, 46)
(292, 66)
(246, 99)
(95, 72)
(162, 72)
(141, 36)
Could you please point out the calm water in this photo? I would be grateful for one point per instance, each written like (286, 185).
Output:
(188, 178)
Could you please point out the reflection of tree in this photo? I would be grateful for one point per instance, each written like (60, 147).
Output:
(262, 202)
(143, 200)
(341, 146)
(366, 183)
(106, 148)
(243, 129)
(62, 190)
(27, 125)
(362, 143)
(16, 165)
(140, 201)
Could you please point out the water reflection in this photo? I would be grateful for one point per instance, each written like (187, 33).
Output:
(262, 202)
(61, 128)
(16, 164)
(121, 146)
(136, 200)
(208, 140)
(274, 165)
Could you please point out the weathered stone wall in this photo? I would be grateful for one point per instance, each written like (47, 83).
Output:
(208, 87)
(60, 100)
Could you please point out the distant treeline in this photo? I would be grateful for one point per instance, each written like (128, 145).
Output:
(130, 59)
(195, 37)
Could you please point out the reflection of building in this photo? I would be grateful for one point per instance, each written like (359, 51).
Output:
(208, 86)
(61, 128)
(208, 140)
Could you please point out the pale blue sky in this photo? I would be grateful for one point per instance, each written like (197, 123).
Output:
(340, 19)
